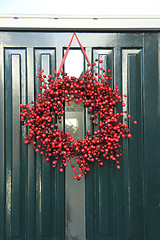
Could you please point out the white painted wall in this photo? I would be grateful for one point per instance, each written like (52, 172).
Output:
(81, 7)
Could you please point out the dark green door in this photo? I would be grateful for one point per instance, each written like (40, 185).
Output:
(111, 204)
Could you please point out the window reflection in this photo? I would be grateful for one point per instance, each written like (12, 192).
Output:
(74, 63)
(71, 125)
(74, 120)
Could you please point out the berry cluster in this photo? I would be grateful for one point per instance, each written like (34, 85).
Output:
(94, 91)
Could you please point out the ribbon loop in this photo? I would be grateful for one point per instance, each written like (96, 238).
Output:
(66, 53)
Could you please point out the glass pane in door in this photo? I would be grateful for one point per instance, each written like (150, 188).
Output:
(74, 190)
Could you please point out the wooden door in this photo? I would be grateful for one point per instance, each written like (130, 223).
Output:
(114, 205)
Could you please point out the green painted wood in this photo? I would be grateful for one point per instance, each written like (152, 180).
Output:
(151, 136)
(32, 211)
(89, 181)
(120, 205)
(104, 176)
(125, 218)
(2, 157)
(133, 149)
(31, 164)
(48, 213)
(15, 177)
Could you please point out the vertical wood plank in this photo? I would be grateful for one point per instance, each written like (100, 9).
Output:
(89, 194)
(119, 200)
(46, 176)
(15, 166)
(31, 164)
(151, 136)
(59, 177)
(15, 195)
(46, 197)
(104, 176)
(8, 140)
(133, 149)
(2, 145)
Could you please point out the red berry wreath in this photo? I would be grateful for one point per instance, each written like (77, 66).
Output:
(57, 145)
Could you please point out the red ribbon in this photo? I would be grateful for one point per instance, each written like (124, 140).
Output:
(66, 53)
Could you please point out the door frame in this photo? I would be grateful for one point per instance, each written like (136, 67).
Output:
(79, 23)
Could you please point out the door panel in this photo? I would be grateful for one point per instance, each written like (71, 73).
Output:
(104, 181)
(151, 136)
(15, 151)
(119, 204)
(45, 178)
(133, 150)
(131, 182)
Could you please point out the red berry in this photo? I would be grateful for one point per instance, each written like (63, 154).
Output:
(129, 135)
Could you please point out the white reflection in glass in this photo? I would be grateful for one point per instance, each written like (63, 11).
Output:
(74, 63)
(71, 124)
